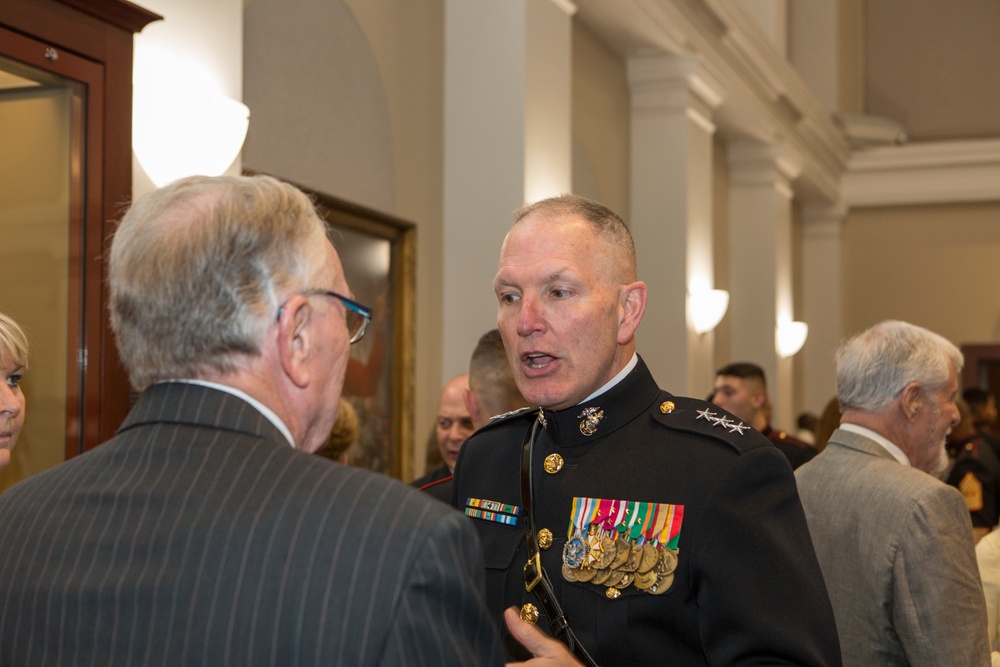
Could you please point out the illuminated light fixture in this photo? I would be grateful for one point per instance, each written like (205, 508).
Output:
(707, 308)
(182, 123)
(790, 337)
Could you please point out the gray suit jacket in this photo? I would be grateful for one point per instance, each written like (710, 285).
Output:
(896, 550)
(198, 536)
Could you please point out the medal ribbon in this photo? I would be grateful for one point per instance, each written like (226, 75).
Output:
(671, 531)
(638, 521)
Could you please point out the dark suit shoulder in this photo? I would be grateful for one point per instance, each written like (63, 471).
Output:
(695, 416)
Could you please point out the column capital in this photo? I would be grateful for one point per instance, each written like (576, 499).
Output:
(674, 83)
(823, 222)
(752, 163)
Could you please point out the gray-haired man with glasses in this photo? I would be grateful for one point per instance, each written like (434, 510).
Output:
(202, 533)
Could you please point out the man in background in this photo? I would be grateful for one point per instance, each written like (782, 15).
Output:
(894, 542)
(492, 391)
(984, 412)
(203, 533)
(741, 389)
(452, 425)
(975, 471)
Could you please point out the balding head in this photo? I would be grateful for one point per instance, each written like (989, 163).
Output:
(454, 424)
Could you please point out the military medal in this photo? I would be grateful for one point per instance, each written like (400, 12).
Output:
(622, 543)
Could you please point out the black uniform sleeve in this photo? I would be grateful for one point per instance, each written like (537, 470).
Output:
(756, 577)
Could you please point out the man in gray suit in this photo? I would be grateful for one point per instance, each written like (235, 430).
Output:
(203, 533)
(895, 543)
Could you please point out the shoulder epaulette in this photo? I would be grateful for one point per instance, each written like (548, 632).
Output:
(696, 416)
(507, 417)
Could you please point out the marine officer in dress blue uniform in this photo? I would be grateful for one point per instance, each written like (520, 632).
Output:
(639, 527)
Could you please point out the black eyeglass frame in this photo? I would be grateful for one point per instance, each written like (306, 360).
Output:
(350, 304)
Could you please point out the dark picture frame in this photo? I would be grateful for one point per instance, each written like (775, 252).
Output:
(377, 252)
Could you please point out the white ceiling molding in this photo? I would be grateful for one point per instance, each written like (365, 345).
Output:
(927, 173)
(766, 98)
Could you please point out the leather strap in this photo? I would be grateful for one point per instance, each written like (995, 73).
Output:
(535, 579)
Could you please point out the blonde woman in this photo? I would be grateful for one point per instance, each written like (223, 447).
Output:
(13, 363)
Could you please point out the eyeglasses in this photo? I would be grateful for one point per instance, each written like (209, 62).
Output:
(356, 315)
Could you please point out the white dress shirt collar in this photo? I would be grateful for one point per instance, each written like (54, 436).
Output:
(888, 446)
(263, 409)
(616, 379)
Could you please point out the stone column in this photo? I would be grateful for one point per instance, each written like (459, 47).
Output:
(821, 286)
(760, 248)
(673, 98)
(507, 141)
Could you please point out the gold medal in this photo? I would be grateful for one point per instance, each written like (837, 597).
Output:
(650, 556)
(586, 574)
(667, 562)
(626, 580)
(602, 577)
(568, 573)
(645, 581)
(622, 549)
(662, 585)
(553, 463)
(634, 558)
(607, 553)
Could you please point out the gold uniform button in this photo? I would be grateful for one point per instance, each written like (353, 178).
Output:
(612, 593)
(529, 613)
(667, 407)
(553, 463)
(544, 538)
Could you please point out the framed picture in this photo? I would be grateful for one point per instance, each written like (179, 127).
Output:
(377, 252)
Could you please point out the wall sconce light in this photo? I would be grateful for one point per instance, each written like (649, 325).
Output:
(182, 124)
(707, 308)
(790, 337)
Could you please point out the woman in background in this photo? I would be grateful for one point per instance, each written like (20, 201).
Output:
(13, 363)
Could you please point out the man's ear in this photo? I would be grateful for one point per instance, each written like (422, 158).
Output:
(294, 339)
(911, 401)
(633, 307)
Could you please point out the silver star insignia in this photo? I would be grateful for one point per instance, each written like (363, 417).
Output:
(724, 422)
(705, 414)
(737, 427)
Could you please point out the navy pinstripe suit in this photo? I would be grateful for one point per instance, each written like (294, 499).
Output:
(197, 536)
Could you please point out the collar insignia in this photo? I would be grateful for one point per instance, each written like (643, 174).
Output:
(591, 417)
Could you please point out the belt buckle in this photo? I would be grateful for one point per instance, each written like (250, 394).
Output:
(530, 581)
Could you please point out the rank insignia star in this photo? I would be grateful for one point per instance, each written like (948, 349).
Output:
(724, 422)
(705, 414)
(734, 427)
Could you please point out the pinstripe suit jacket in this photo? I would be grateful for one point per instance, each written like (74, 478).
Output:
(896, 550)
(197, 536)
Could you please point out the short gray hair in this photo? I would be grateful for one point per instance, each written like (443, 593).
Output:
(13, 342)
(874, 366)
(607, 224)
(197, 268)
